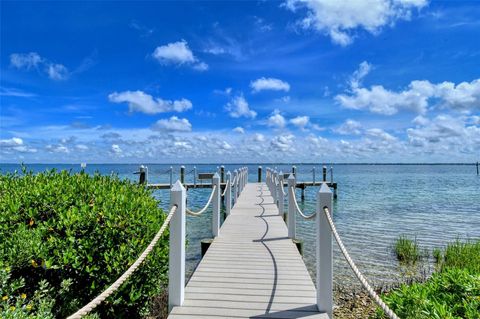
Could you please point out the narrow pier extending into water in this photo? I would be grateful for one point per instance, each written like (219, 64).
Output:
(252, 269)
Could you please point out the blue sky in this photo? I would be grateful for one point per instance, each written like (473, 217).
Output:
(247, 81)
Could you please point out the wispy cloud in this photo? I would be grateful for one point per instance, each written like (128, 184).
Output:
(33, 60)
(139, 101)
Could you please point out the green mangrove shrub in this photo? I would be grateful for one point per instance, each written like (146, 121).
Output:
(74, 234)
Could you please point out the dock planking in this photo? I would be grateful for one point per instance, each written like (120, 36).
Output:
(252, 269)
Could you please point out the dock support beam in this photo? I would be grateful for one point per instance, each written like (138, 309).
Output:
(291, 207)
(259, 174)
(222, 174)
(228, 195)
(216, 205)
(176, 262)
(324, 279)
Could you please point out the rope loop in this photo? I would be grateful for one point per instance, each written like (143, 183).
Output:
(311, 216)
(188, 211)
(389, 312)
(114, 287)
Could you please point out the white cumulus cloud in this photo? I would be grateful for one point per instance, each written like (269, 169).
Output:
(173, 124)
(139, 101)
(276, 120)
(178, 53)
(349, 127)
(272, 84)
(300, 121)
(238, 107)
(239, 129)
(417, 97)
(340, 19)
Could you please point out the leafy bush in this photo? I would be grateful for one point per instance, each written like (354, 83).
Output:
(407, 250)
(451, 292)
(76, 234)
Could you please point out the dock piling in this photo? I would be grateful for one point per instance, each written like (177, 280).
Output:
(259, 174)
(182, 174)
(171, 176)
(324, 173)
(142, 178)
(294, 171)
(222, 174)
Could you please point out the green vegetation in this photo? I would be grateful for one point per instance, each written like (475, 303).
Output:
(66, 237)
(407, 250)
(451, 292)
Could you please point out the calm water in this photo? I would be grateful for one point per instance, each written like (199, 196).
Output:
(376, 203)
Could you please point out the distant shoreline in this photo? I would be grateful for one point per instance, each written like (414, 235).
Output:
(260, 163)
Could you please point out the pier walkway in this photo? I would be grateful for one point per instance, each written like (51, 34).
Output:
(252, 269)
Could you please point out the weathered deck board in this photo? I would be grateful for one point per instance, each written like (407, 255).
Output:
(252, 269)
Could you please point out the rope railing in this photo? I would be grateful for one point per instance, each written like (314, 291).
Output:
(225, 190)
(110, 290)
(188, 211)
(311, 216)
(357, 272)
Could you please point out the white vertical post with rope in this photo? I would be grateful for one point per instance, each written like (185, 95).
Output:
(324, 248)
(235, 185)
(228, 195)
(176, 262)
(281, 197)
(216, 205)
(291, 206)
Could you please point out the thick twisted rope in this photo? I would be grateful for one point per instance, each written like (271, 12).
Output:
(298, 208)
(110, 290)
(225, 190)
(206, 205)
(357, 272)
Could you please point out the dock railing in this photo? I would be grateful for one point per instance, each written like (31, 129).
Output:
(325, 228)
(176, 221)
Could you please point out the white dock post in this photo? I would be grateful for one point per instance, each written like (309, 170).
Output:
(275, 187)
(281, 198)
(176, 262)
(216, 205)
(194, 177)
(228, 195)
(235, 187)
(291, 207)
(324, 251)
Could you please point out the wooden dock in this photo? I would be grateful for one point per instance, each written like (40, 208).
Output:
(252, 269)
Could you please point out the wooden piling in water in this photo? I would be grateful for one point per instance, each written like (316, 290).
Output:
(259, 174)
(182, 174)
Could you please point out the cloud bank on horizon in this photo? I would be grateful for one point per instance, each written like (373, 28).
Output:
(305, 81)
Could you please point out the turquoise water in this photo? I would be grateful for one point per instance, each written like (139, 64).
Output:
(435, 204)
